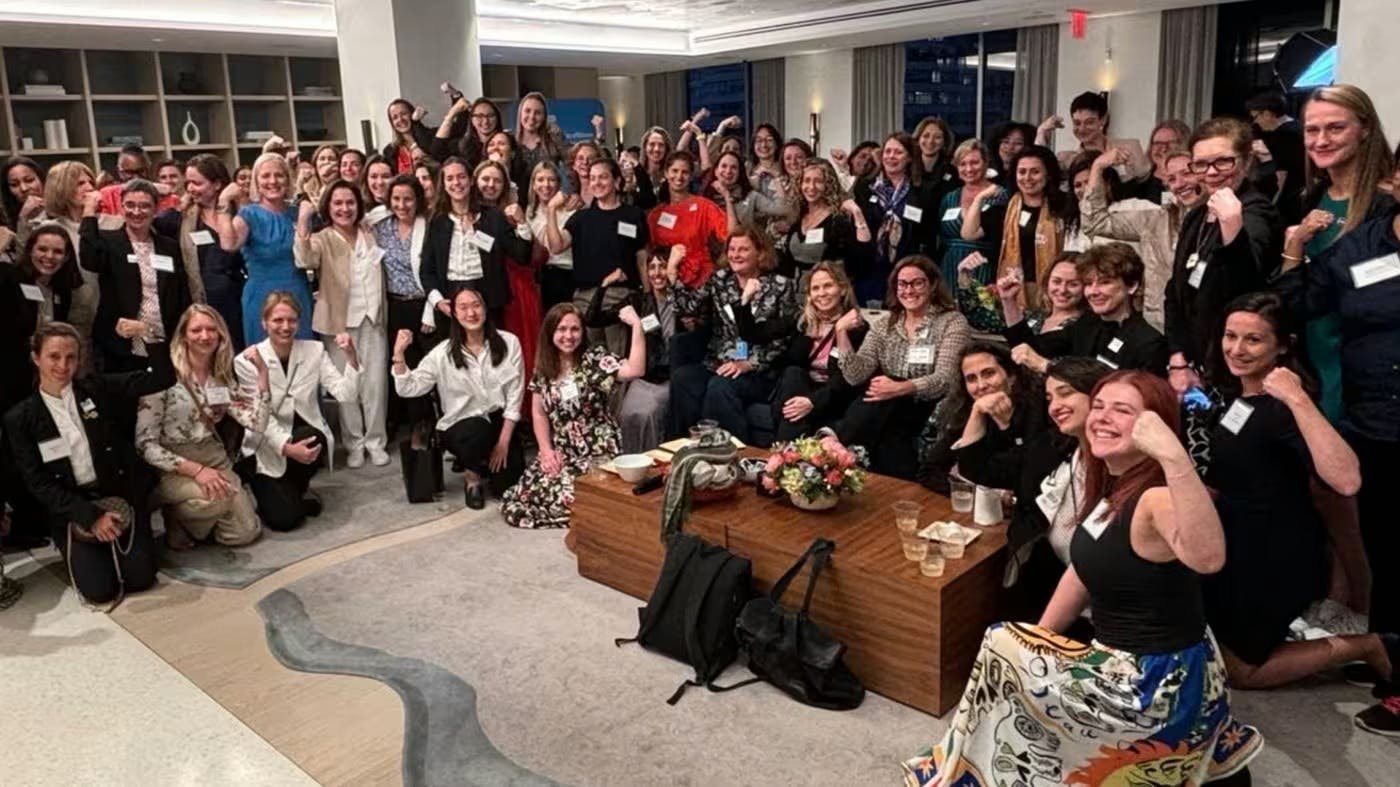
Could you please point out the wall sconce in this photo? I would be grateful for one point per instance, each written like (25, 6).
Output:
(619, 131)
(814, 131)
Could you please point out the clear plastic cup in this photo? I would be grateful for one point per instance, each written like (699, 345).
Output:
(915, 548)
(953, 546)
(932, 564)
(963, 494)
(906, 516)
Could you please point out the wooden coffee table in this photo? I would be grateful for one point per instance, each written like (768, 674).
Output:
(909, 637)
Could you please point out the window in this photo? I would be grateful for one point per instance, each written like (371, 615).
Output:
(724, 89)
(966, 80)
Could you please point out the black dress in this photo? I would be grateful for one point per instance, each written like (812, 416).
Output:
(1276, 551)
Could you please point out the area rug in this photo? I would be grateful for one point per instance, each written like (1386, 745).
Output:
(490, 632)
(358, 504)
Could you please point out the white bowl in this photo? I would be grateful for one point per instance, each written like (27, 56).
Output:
(633, 467)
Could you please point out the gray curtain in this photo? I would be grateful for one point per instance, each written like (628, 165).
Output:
(1187, 65)
(1037, 60)
(666, 101)
(766, 81)
(877, 92)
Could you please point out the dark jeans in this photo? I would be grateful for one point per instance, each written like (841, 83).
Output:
(1378, 501)
(889, 430)
(408, 315)
(95, 573)
(471, 440)
(556, 286)
(697, 392)
(282, 501)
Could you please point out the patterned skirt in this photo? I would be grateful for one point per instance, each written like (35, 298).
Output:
(1041, 710)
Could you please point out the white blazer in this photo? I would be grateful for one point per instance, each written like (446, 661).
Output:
(295, 391)
(415, 254)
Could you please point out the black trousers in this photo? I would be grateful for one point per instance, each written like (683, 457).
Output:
(282, 501)
(889, 430)
(795, 381)
(408, 315)
(471, 440)
(556, 286)
(95, 574)
(1377, 503)
(697, 392)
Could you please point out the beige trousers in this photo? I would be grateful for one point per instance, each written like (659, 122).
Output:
(232, 521)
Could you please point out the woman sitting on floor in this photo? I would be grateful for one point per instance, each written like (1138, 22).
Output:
(811, 391)
(572, 421)
(285, 455)
(1148, 695)
(480, 377)
(910, 361)
(177, 432)
(87, 477)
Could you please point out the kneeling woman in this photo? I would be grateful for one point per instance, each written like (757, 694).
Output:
(571, 417)
(288, 453)
(84, 473)
(479, 374)
(1149, 693)
(178, 435)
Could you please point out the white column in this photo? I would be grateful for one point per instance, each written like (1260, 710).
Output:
(403, 49)
(1368, 56)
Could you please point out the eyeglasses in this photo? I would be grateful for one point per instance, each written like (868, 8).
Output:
(1224, 165)
(138, 207)
(911, 284)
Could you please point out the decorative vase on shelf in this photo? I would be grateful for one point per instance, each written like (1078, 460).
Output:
(190, 132)
(818, 503)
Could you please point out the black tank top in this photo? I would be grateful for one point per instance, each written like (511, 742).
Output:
(1138, 605)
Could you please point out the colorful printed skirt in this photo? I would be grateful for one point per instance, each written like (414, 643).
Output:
(1042, 710)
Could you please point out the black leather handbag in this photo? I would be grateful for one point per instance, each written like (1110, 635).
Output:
(420, 459)
(791, 652)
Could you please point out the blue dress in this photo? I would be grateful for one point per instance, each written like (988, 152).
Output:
(267, 254)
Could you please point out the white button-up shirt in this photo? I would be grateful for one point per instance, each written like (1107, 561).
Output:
(476, 389)
(463, 257)
(64, 410)
(366, 282)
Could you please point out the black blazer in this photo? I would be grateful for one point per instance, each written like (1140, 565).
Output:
(918, 237)
(836, 392)
(1193, 314)
(120, 470)
(1142, 346)
(493, 284)
(20, 315)
(104, 252)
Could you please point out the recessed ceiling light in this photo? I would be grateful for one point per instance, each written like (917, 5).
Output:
(157, 40)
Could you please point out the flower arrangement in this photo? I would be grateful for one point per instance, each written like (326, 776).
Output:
(815, 470)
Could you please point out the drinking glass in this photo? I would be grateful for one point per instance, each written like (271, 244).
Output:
(906, 516)
(914, 547)
(963, 495)
(932, 564)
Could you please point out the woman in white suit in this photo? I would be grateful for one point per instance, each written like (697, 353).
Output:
(289, 452)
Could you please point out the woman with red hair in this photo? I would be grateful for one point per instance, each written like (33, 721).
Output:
(1148, 695)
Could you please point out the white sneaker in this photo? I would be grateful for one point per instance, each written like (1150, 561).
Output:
(377, 457)
(354, 458)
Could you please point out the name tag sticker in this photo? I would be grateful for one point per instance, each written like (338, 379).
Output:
(627, 229)
(835, 354)
(483, 241)
(217, 395)
(202, 237)
(952, 214)
(694, 207)
(133, 259)
(874, 199)
(666, 221)
(568, 390)
(1234, 419)
(32, 292)
(162, 263)
(87, 407)
(1097, 520)
(913, 214)
(816, 235)
(650, 323)
(920, 354)
(1364, 274)
(1115, 345)
(1198, 273)
(53, 450)
(1025, 217)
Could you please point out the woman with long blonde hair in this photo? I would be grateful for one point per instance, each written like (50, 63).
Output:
(829, 228)
(178, 434)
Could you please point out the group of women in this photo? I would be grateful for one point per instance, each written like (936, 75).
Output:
(1157, 377)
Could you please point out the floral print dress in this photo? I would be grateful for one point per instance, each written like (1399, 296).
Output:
(582, 427)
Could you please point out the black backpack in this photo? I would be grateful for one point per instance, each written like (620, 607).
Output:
(692, 611)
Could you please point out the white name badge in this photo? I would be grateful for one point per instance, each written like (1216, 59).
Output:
(835, 354)
(162, 263)
(1364, 274)
(1025, 217)
(666, 221)
(217, 394)
(627, 229)
(920, 354)
(568, 390)
(874, 199)
(694, 207)
(816, 235)
(1235, 418)
(483, 241)
(1097, 520)
(952, 214)
(1198, 274)
(650, 323)
(87, 407)
(1115, 345)
(32, 292)
(53, 450)
(202, 237)
(913, 214)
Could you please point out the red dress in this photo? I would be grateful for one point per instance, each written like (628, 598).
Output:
(693, 222)
(523, 315)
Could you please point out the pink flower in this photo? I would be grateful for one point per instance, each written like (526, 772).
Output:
(835, 477)
(791, 456)
(846, 458)
(830, 444)
(769, 484)
(774, 462)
